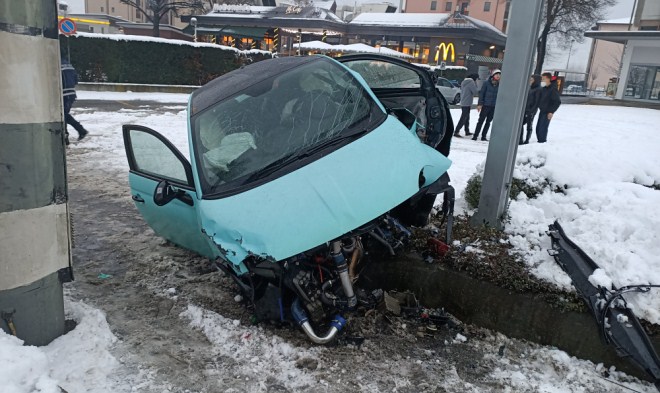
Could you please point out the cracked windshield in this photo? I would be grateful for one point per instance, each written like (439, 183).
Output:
(276, 120)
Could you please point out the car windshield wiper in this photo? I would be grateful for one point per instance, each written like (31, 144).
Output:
(291, 158)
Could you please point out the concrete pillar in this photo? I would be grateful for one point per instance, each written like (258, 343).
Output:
(34, 218)
(507, 122)
(625, 70)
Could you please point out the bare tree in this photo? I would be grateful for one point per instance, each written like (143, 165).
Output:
(155, 10)
(566, 20)
(613, 65)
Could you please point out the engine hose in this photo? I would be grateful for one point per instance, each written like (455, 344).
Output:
(342, 269)
(331, 300)
(300, 316)
(355, 258)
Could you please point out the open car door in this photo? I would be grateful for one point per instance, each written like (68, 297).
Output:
(163, 189)
(402, 86)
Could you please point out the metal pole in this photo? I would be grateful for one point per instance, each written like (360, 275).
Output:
(34, 218)
(568, 61)
(507, 123)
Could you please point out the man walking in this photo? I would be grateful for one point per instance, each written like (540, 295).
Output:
(69, 82)
(486, 106)
(549, 102)
(531, 106)
(468, 91)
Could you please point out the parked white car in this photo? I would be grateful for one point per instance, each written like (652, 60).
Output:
(451, 93)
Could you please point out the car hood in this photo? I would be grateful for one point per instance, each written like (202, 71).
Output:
(324, 199)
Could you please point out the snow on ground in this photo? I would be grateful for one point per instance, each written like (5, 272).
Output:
(79, 361)
(601, 205)
(603, 157)
(178, 98)
(605, 161)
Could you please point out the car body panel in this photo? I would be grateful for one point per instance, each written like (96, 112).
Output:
(176, 221)
(448, 89)
(314, 204)
(323, 200)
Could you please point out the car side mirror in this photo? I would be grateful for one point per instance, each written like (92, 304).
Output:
(164, 193)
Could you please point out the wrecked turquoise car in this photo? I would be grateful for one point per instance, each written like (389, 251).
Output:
(297, 166)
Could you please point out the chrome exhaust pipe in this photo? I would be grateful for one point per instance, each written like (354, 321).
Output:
(299, 314)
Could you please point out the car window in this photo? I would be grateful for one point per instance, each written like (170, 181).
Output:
(381, 74)
(445, 83)
(276, 118)
(154, 157)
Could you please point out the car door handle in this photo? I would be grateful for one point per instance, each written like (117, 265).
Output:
(137, 198)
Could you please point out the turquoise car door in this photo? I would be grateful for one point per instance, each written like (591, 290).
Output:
(162, 188)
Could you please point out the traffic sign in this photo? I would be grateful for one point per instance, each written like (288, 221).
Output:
(67, 26)
(443, 66)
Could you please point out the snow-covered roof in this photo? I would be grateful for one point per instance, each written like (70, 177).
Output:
(483, 25)
(352, 48)
(126, 37)
(396, 19)
(619, 21)
(314, 45)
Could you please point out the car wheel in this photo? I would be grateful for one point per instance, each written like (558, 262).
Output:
(457, 99)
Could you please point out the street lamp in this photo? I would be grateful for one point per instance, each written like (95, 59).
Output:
(570, 48)
(193, 21)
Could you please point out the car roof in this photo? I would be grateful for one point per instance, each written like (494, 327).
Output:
(235, 81)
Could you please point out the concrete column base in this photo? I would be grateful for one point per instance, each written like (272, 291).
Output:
(34, 312)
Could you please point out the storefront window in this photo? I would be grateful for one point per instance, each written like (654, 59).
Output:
(643, 83)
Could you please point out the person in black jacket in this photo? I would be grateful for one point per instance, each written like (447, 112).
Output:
(486, 105)
(549, 102)
(531, 106)
(69, 82)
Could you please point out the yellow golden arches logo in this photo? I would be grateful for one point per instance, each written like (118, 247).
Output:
(445, 48)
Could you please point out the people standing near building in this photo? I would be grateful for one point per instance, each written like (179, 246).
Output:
(486, 105)
(69, 82)
(468, 91)
(549, 102)
(531, 106)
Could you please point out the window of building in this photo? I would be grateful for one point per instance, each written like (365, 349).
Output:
(643, 83)
(102, 9)
(448, 6)
(138, 14)
(464, 7)
(112, 9)
(434, 5)
(487, 6)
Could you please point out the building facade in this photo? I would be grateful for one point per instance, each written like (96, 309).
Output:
(430, 38)
(605, 56)
(494, 12)
(640, 68)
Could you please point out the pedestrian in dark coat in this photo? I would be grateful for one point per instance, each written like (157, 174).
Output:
(486, 106)
(549, 102)
(531, 106)
(468, 91)
(69, 82)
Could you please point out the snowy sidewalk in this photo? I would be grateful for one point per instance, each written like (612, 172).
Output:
(597, 173)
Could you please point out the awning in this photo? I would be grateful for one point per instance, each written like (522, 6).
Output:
(483, 59)
(622, 37)
(256, 33)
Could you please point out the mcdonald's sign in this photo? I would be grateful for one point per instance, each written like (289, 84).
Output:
(445, 48)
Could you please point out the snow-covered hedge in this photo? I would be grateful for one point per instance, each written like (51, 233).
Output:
(135, 59)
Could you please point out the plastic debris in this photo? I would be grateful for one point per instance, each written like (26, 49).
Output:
(103, 276)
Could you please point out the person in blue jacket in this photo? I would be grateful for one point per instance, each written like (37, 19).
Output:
(69, 82)
(549, 102)
(486, 105)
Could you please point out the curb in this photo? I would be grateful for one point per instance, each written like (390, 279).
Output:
(135, 87)
(520, 315)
